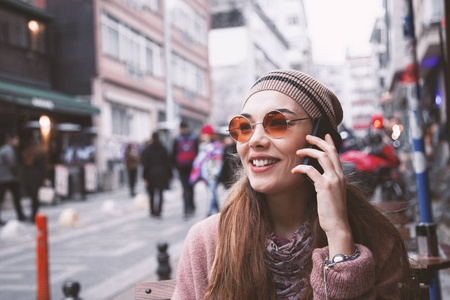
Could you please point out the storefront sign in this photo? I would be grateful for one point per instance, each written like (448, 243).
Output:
(90, 177)
(61, 180)
(42, 103)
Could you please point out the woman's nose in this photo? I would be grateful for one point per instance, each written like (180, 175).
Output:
(259, 136)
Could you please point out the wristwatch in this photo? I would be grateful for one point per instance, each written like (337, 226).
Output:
(342, 257)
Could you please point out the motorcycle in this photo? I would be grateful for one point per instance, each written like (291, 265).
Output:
(376, 165)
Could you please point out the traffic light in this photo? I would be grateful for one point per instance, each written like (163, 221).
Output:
(377, 121)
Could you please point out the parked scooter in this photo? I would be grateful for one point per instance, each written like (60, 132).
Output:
(375, 164)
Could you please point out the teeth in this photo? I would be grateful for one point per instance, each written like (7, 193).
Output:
(262, 162)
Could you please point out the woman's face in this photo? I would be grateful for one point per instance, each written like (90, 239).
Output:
(278, 153)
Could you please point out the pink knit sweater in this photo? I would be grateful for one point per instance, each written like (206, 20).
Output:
(363, 278)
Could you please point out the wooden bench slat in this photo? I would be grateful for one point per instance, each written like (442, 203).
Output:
(159, 290)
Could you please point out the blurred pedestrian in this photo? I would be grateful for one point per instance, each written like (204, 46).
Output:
(9, 173)
(231, 163)
(157, 173)
(132, 161)
(185, 149)
(34, 174)
(208, 164)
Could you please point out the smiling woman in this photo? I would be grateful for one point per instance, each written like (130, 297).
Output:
(280, 236)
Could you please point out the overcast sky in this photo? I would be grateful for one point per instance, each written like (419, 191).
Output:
(335, 25)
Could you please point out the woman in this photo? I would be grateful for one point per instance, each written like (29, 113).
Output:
(207, 165)
(157, 173)
(278, 236)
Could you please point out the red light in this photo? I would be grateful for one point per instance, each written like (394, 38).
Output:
(377, 121)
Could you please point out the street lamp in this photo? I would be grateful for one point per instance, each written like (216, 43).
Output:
(33, 26)
(45, 124)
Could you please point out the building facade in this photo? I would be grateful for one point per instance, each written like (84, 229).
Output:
(244, 44)
(130, 57)
(390, 45)
(29, 95)
(289, 16)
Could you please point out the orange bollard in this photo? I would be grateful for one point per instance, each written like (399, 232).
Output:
(43, 292)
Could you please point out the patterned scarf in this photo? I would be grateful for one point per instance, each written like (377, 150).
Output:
(288, 262)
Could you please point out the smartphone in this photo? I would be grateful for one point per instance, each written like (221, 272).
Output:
(320, 128)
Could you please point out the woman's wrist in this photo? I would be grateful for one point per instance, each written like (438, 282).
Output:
(340, 242)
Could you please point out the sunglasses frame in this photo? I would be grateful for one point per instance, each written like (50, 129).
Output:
(252, 125)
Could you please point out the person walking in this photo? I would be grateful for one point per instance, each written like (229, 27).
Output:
(132, 161)
(34, 160)
(185, 149)
(231, 163)
(157, 173)
(9, 174)
(208, 165)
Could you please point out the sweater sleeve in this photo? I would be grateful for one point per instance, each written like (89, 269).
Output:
(363, 278)
(353, 279)
(196, 260)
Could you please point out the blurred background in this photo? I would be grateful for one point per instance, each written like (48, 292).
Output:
(87, 78)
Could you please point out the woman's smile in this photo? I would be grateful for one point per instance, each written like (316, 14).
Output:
(262, 163)
(268, 161)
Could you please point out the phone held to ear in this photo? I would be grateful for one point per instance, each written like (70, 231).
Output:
(320, 128)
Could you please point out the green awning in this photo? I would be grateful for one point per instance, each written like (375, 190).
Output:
(30, 9)
(48, 100)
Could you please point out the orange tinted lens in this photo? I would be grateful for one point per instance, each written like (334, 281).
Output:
(240, 129)
(275, 124)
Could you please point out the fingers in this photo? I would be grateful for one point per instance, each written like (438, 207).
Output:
(328, 157)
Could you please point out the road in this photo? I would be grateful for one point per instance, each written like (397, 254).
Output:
(107, 253)
(110, 250)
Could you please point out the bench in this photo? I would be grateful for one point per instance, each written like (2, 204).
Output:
(155, 290)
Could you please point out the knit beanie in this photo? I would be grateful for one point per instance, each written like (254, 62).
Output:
(315, 98)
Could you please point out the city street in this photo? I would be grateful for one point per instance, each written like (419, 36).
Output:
(113, 247)
(106, 254)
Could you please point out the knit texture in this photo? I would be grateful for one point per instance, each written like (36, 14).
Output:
(367, 277)
(346, 280)
(315, 98)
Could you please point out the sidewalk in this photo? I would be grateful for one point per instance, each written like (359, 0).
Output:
(108, 254)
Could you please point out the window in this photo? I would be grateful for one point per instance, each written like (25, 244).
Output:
(140, 54)
(110, 36)
(121, 120)
(188, 75)
(192, 24)
(140, 4)
(153, 58)
(292, 20)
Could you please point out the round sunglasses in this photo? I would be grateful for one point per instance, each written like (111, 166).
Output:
(275, 125)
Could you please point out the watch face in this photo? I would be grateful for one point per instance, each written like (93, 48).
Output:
(338, 258)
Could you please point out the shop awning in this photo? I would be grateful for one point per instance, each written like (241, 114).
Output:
(42, 99)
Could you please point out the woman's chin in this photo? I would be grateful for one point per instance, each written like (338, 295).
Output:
(262, 187)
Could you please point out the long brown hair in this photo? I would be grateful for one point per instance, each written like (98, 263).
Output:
(240, 271)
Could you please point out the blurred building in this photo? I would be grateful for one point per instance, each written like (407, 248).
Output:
(114, 53)
(244, 44)
(333, 76)
(390, 46)
(289, 16)
(360, 93)
(31, 104)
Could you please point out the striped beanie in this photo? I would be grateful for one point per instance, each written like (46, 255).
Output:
(315, 98)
